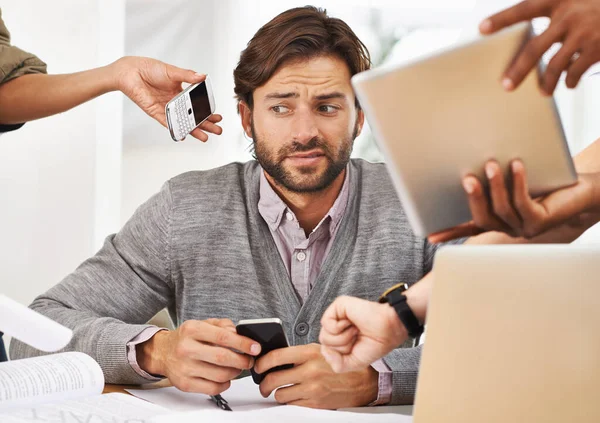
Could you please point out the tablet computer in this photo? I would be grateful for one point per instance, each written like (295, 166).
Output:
(442, 117)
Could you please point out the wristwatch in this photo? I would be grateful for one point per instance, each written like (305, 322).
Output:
(395, 298)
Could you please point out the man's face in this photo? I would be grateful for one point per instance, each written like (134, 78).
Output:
(304, 122)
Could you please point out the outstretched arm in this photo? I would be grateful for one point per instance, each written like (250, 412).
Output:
(149, 83)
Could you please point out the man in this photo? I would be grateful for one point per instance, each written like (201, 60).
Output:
(28, 93)
(278, 237)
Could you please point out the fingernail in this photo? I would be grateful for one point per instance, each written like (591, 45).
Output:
(490, 171)
(517, 166)
(485, 26)
(468, 186)
(508, 84)
(255, 349)
(200, 75)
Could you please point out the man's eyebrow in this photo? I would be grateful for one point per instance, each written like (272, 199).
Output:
(322, 97)
(281, 95)
(331, 96)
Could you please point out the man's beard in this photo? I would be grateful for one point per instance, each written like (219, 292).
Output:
(301, 181)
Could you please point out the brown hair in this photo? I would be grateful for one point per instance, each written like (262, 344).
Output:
(296, 34)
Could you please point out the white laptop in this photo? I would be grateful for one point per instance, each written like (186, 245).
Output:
(513, 335)
(440, 118)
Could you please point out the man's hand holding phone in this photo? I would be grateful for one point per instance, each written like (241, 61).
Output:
(312, 382)
(301, 375)
(200, 356)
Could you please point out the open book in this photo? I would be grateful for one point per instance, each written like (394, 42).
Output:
(65, 387)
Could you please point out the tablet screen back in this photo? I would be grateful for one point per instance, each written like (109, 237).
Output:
(442, 117)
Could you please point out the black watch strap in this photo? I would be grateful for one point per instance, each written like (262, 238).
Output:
(396, 298)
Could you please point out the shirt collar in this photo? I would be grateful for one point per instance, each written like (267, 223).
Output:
(272, 208)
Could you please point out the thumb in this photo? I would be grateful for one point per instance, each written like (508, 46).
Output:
(333, 358)
(184, 75)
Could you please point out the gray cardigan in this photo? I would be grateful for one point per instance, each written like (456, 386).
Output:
(201, 248)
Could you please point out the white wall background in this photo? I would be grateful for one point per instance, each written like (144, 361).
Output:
(50, 203)
(68, 181)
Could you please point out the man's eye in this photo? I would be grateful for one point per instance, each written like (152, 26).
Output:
(280, 109)
(327, 109)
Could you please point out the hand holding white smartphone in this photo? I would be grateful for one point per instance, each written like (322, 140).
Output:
(270, 335)
(189, 109)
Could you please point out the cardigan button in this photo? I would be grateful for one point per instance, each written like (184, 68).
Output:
(302, 329)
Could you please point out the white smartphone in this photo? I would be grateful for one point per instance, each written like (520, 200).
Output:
(189, 109)
(270, 335)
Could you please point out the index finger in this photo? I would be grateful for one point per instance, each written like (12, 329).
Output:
(524, 11)
(222, 336)
(334, 319)
(223, 323)
(341, 342)
(184, 75)
(528, 57)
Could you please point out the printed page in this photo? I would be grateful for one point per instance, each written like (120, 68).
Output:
(32, 328)
(41, 380)
(287, 414)
(110, 408)
(242, 395)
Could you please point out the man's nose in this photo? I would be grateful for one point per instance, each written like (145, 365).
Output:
(304, 126)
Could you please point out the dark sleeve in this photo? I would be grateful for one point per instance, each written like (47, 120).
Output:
(8, 128)
(430, 249)
(404, 364)
(15, 62)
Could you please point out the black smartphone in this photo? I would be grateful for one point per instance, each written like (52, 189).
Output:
(270, 335)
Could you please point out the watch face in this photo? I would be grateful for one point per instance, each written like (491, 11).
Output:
(401, 287)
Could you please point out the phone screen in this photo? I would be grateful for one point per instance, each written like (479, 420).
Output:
(200, 103)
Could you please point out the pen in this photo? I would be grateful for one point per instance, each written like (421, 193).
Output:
(221, 402)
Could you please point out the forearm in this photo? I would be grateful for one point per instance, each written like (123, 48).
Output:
(102, 338)
(36, 96)
(564, 234)
(417, 296)
(588, 160)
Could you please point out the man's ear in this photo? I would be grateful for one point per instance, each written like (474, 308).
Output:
(246, 114)
(360, 121)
